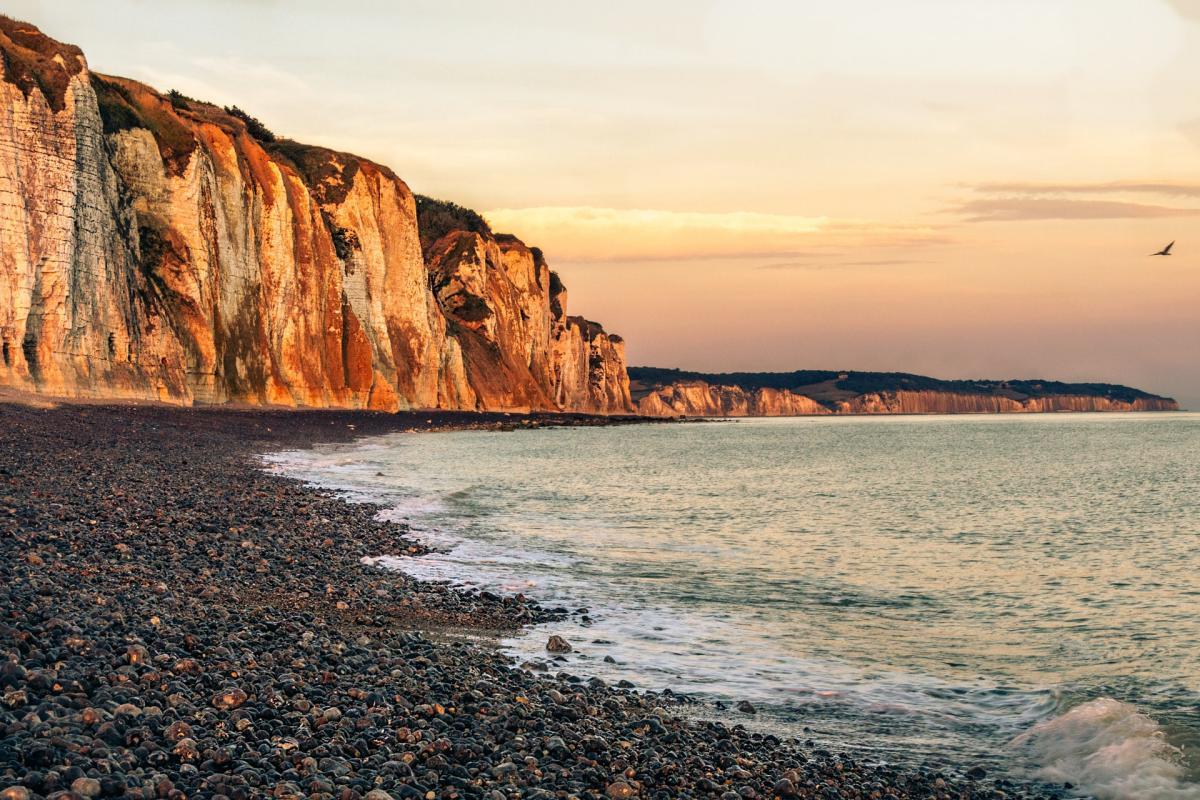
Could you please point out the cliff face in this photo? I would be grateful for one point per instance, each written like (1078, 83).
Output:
(73, 310)
(931, 402)
(702, 399)
(156, 247)
(506, 312)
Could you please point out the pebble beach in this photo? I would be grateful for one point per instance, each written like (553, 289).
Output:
(176, 622)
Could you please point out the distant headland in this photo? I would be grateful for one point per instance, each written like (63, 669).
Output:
(673, 392)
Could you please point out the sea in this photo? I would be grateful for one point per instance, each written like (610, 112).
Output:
(1016, 592)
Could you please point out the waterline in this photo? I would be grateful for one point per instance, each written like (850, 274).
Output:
(905, 588)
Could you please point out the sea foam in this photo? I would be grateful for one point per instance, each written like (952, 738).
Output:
(1111, 751)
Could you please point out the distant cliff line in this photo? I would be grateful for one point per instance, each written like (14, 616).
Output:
(156, 246)
(672, 392)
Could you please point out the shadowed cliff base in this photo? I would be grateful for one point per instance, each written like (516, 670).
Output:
(672, 392)
(156, 246)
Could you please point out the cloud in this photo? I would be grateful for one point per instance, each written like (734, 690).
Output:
(831, 264)
(1166, 188)
(1007, 209)
(255, 73)
(1124, 199)
(1188, 9)
(225, 81)
(583, 233)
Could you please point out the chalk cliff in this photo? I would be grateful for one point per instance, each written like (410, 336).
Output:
(700, 399)
(943, 402)
(154, 246)
(506, 313)
(665, 393)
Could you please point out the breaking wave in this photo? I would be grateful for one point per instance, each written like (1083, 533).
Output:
(1111, 751)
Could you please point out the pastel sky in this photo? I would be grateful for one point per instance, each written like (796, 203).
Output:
(961, 188)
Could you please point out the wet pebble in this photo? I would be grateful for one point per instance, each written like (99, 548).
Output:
(557, 644)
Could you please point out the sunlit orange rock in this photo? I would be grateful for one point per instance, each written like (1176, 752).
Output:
(156, 247)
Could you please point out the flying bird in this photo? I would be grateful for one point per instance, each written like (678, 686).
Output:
(1166, 251)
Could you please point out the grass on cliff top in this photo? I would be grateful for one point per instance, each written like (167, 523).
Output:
(329, 175)
(858, 383)
(436, 218)
(29, 61)
(125, 105)
(122, 109)
(253, 126)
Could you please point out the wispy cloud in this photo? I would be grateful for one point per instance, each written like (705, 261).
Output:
(255, 72)
(828, 264)
(604, 218)
(582, 233)
(226, 80)
(1165, 188)
(1007, 209)
(1123, 199)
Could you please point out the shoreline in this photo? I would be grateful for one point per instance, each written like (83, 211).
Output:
(180, 622)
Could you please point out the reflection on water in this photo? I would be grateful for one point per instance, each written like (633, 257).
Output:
(1007, 591)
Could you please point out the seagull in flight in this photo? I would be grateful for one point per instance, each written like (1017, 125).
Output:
(1166, 251)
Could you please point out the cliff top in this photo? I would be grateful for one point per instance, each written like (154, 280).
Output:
(437, 218)
(32, 60)
(173, 119)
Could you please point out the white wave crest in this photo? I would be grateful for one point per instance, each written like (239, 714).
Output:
(1110, 751)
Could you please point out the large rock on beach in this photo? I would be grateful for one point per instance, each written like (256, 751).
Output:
(557, 644)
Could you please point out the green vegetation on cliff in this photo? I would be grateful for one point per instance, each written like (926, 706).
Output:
(436, 218)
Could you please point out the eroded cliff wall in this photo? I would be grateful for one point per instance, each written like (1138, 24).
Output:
(929, 402)
(153, 246)
(506, 310)
(700, 399)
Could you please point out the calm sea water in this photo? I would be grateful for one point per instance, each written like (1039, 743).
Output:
(1021, 593)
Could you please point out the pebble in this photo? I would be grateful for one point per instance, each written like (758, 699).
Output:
(86, 787)
(619, 790)
(229, 699)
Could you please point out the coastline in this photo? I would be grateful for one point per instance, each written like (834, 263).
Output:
(180, 620)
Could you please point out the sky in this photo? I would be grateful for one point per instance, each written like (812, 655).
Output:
(958, 188)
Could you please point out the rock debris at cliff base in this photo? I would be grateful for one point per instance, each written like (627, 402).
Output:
(178, 623)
